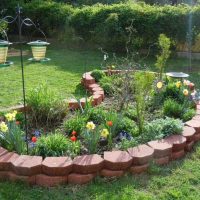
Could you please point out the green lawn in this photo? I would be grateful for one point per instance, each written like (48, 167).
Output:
(63, 73)
(179, 180)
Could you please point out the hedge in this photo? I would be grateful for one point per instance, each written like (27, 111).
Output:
(106, 25)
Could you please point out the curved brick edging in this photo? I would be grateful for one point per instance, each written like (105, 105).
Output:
(53, 171)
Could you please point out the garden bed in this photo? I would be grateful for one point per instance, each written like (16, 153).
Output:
(112, 161)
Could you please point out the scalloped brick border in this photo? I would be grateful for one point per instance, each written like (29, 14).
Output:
(53, 171)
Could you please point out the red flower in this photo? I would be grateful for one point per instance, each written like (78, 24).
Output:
(73, 133)
(17, 122)
(109, 123)
(73, 138)
(34, 139)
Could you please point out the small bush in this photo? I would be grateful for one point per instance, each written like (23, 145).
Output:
(125, 144)
(131, 113)
(188, 115)
(172, 109)
(56, 145)
(76, 123)
(46, 108)
(161, 128)
(98, 74)
(107, 85)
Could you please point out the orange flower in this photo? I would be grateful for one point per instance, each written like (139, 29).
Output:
(17, 122)
(109, 123)
(73, 138)
(74, 133)
(34, 139)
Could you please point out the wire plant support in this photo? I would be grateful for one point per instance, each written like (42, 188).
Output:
(20, 24)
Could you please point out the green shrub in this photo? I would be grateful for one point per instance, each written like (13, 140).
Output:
(107, 85)
(56, 144)
(76, 123)
(125, 144)
(98, 74)
(128, 125)
(171, 108)
(46, 108)
(131, 113)
(188, 115)
(161, 128)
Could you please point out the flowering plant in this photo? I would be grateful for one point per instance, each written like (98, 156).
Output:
(11, 136)
(91, 136)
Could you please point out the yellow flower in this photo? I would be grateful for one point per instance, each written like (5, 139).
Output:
(11, 116)
(90, 126)
(159, 85)
(185, 92)
(104, 133)
(3, 127)
(178, 84)
(112, 66)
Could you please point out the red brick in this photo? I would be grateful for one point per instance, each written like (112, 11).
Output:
(196, 117)
(195, 124)
(87, 164)
(141, 154)
(97, 99)
(3, 151)
(57, 166)
(6, 161)
(95, 85)
(96, 89)
(27, 165)
(177, 155)
(73, 104)
(4, 175)
(177, 141)
(50, 181)
(27, 179)
(99, 93)
(88, 79)
(161, 148)
(111, 173)
(189, 146)
(139, 169)
(117, 160)
(162, 161)
(80, 178)
(197, 137)
(188, 133)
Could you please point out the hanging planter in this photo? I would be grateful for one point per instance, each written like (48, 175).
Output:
(4, 52)
(39, 48)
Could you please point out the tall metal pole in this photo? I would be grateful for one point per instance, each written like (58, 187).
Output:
(22, 68)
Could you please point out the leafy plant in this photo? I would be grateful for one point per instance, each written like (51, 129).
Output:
(161, 128)
(91, 136)
(125, 144)
(188, 114)
(11, 136)
(98, 74)
(56, 144)
(171, 108)
(164, 44)
(107, 85)
(45, 107)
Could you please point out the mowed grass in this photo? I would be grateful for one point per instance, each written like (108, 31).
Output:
(180, 180)
(63, 73)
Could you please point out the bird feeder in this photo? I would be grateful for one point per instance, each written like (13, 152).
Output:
(4, 52)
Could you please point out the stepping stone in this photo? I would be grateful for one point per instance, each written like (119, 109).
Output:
(111, 173)
(87, 164)
(188, 133)
(57, 166)
(6, 161)
(27, 165)
(50, 181)
(80, 178)
(161, 148)
(117, 160)
(139, 169)
(141, 154)
(195, 124)
(177, 141)
(178, 154)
